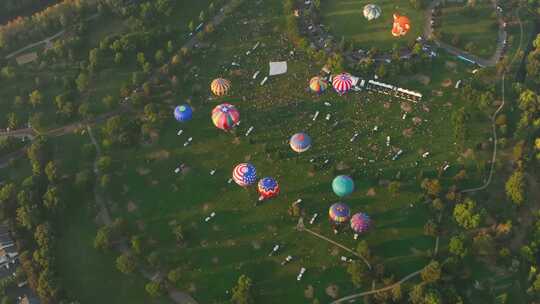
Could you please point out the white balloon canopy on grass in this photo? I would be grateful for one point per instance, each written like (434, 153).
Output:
(372, 11)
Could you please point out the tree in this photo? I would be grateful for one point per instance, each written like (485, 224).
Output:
(137, 244)
(465, 214)
(13, 121)
(36, 122)
(241, 293)
(357, 270)
(191, 26)
(82, 82)
(35, 98)
(393, 188)
(103, 238)
(174, 275)
(202, 16)
(431, 273)
(154, 288)
(363, 249)
(431, 186)
(104, 164)
(515, 187)
(109, 101)
(416, 295)
(154, 259)
(431, 228)
(160, 57)
(457, 247)
(51, 198)
(43, 235)
(118, 57)
(178, 233)
(141, 59)
(126, 263)
(85, 110)
(433, 297)
(51, 171)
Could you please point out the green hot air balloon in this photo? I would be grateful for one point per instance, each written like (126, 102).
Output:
(342, 185)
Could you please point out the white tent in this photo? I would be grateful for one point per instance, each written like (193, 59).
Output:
(278, 68)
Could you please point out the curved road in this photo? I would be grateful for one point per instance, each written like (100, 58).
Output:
(502, 36)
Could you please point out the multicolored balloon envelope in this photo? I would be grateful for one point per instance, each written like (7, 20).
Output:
(225, 116)
(244, 174)
(317, 85)
(268, 188)
(339, 213)
(342, 83)
(360, 222)
(300, 142)
(372, 11)
(342, 185)
(220, 86)
(401, 25)
(183, 113)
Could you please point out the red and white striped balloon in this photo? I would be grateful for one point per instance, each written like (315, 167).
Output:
(342, 83)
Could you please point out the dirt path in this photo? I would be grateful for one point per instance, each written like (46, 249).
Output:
(45, 40)
(302, 227)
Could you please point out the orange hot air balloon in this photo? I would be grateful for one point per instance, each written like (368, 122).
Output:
(401, 26)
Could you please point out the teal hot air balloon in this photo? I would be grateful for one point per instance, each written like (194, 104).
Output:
(342, 185)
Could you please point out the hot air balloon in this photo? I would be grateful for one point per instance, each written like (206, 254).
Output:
(342, 185)
(268, 188)
(372, 11)
(183, 113)
(339, 213)
(342, 83)
(317, 85)
(300, 142)
(244, 174)
(220, 86)
(225, 116)
(401, 25)
(360, 223)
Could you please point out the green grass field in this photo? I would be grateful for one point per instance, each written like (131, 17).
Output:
(345, 19)
(456, 20)
(238, 239)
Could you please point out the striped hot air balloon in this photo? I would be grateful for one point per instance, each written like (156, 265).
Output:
(268, 188)
(300, 142)
(339, 213)
(317, 85)
(220, 86)
(244, 174)
(225, 116)
(372, 11)
(342, 83)
(183, 113)
(360, 222)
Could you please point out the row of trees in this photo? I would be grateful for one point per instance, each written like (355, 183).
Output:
(31, 209)
(54, 18)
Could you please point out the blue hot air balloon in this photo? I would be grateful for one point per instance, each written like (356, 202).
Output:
(183, 113)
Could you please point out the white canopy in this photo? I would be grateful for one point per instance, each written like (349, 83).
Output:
(278, 68)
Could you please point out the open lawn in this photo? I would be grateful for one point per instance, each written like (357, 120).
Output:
(238, 239)
(471, 28)
(345, 19)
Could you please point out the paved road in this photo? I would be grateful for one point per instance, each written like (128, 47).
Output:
(502, 36)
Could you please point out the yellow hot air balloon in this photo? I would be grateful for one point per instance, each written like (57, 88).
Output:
(220, 86)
